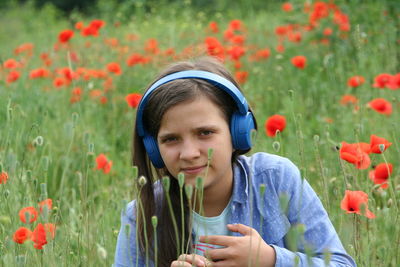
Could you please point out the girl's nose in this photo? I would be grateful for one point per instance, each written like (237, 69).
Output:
(189, 150)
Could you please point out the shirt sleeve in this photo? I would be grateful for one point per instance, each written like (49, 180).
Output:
(126, 250)
(319, 233)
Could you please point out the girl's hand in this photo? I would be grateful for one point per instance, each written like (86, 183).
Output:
(247, 250)
(189, 260)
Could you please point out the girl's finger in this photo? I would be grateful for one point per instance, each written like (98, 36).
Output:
(194, 259)
(180, 263)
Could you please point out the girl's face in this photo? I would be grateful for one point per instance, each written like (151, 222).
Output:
(186, 133)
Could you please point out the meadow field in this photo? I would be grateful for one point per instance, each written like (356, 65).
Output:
(69, 87)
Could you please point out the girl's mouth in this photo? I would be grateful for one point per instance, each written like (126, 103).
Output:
(193, 170)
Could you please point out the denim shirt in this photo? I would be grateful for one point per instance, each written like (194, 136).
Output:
(280, 177)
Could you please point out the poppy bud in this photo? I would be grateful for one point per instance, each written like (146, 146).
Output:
(276, 145)
(43, 190)
(381, 147)
(390, 203)
(102, 252)
(284, 202)
(316, 139)
(189, 191)
(1, 167)
(154, 221)
(127, 229)
(75, 117)
(181, 179)
(210, 153)
(6, 193)
(291, 94)
(9, 114)
(199, 183)
(332, 180)
(28, 175)
(38, 141)
(142, 181)
(262, 190)
(91, 147)
(5, 220)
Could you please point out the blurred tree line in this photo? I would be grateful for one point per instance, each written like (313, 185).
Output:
(94, 7)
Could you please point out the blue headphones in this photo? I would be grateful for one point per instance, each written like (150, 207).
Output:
(241, 124)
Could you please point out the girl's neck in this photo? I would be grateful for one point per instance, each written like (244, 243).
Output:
(215, 200)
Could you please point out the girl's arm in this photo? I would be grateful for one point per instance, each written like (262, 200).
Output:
(125, 253)
(319, 234)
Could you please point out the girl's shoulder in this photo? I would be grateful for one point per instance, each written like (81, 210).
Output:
(270, 169)
(261, 162)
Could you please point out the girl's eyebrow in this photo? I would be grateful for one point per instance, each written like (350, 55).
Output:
(196, 129)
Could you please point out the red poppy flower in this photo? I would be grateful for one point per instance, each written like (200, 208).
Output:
(287, 7)
(103, 163)
(79, 25)
(381, 105)
(280, 48)
(134, 59)
(11, 64)
(327, 31)
(281, 30)
(151, 46)
(97, 24)
(133, 99)
(355, 81)
(274, 123)
(3, 177)
(241, 76)
(39, 73)
(376, 141)
(261, 54)
(65, 36)
(236, 25)
(382, 80)
(294, 37)
(114, 68)
(213, 26)
(356, 154)
(381, 173)
(21, 235)
(236, 52)
(46, 203)
(353, 202)
(28, 213)
(394, 82)
(299, 62)
(214, 47)
(348, 99)
(39, 236)
(12, 76)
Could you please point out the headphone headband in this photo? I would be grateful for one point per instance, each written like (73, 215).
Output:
(210, 77)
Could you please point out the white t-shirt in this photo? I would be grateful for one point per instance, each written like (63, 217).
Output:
(209, 226)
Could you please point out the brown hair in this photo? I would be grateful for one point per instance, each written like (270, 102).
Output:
(163, 98)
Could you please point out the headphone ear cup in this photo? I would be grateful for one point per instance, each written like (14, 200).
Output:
(150, 144)
(241, 127)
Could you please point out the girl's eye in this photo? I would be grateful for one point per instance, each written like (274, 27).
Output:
(168, 140)
(206, 133)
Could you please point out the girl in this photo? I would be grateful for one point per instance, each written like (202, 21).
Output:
(192, 122)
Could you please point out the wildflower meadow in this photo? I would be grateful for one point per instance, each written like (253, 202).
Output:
(322, 77)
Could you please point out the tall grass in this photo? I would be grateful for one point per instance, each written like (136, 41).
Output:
(48, 145)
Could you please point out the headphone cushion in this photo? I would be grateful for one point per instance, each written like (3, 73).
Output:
(153, 151)
(241, 128)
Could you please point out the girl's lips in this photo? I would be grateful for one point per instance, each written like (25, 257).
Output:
(193, 170)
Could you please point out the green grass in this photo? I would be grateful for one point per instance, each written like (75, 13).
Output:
(87, 202)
